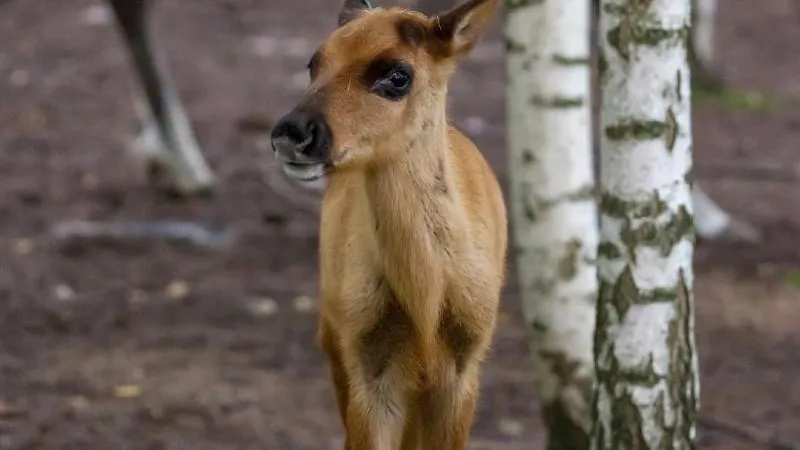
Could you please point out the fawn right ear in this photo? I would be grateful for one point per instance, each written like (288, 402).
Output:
(352, 9)
(460, 28)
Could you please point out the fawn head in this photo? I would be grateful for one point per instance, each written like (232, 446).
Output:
(374, 84)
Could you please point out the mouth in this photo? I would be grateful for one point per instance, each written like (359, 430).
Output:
(305, 172)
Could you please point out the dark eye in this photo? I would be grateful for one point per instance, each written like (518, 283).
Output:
(399, 79)
(312, 64)
(395, 85)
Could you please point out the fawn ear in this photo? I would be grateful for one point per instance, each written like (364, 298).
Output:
(461, 27)
(352, 9)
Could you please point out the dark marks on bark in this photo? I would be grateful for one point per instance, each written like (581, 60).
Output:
(681, 363)
(535, 206)
(614, 302)
(671, 132)
(635, 129)
(566, 433)
(620, 209)
(563, 60)
(608, 250)
(624, 293)
(568, 264)
(663, 236)
(557, 102)
(514, 47)
(528, 157)
(634, 29)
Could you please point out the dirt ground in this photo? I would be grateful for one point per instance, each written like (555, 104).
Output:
(157, 345)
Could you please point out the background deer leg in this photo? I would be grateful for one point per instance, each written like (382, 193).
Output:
(166, 139)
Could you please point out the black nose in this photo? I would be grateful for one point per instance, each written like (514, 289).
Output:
(302, 136)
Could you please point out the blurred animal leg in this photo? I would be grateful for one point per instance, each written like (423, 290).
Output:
(166, 140)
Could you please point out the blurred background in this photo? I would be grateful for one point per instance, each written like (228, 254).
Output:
(142, 342)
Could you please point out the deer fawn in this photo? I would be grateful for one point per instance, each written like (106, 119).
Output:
(413, 234)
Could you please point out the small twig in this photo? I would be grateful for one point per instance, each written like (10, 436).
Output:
(745, 433)
(195, 233)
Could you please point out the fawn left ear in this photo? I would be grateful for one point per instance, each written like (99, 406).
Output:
(352, 9)
(462, 27)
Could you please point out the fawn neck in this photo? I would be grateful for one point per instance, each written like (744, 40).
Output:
(410, 194)
(412, 200)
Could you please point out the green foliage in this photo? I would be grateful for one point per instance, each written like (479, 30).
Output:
(746, 101)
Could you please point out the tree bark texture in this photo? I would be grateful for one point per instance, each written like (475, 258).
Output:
(647, 373)
(553, 204)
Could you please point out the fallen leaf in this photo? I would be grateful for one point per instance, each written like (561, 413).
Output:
(127, 391)
(8, 411)
(177, 290)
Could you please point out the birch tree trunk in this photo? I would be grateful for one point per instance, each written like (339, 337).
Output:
(553, 207)
(647, 374)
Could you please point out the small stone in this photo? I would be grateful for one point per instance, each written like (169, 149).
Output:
(263, 306)
(19, 78)
(79, 403)
(96, 15)
(475, 125)
(510, 427)
(304, 304)
(177, 290)
(23, 246)
(264, 46)
(63, 292)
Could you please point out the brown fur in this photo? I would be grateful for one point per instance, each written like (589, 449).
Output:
(413, 234)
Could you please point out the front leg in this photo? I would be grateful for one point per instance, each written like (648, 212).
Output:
(166, 140)
(331, 344)
(376, 414)
(381, 360)
(448, 411)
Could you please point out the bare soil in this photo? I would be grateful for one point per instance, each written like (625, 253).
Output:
(157, 345)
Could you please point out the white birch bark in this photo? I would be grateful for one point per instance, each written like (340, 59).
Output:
(647, 378)
(553, 207)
